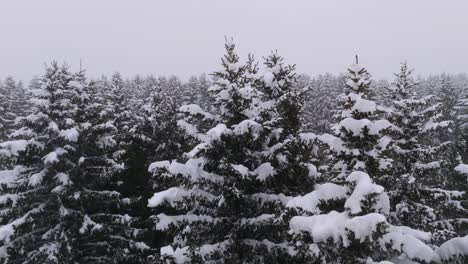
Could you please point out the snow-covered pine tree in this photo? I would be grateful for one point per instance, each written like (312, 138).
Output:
(118, 99)
(455, 250)
(156, 137)
(359, 128)
(233, 107)
(225, 200)
(281, 94)
(448, 95)
(344, 221)
(35, 218)
(64, 207)
(109, 232)
(416, 184)
(13, 103)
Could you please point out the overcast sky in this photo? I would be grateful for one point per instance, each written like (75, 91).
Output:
(186, 37)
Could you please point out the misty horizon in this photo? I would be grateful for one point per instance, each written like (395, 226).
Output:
(185, 39)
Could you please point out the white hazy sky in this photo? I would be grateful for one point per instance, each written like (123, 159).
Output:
(186, 37)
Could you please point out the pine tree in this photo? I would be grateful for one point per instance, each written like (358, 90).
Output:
(344, 219)
(111, 235)
(14, 103)
(225, 200)
(359, 128)
(417, 183)
(36, 219)
(348, 225)
(53, 207)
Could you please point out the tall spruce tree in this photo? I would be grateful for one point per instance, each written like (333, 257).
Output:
(13, 104)
(36, 220)
(417, 182)
(225, 201)
(360, 128)
(344, 219)
(60, 203)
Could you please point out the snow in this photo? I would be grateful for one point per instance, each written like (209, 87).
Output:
(247, 126)
(427, 166)
(264, 171)
(216, 132)
(36, 178)
(322, 193)
(179, 255)
(165, 221)
(52, 157)
(362, 189)
(370, 261)
(356, 68)
(159, 165)
(454, 248)
(261, 173)
(89, 225)
(431, 125)
(364, 226)
(141, 246)
(404, 230)
(70, 134)
(194, 110)
(308, 138)
(8, 177)
(412, 247)
(247, 92)
(241, 169)
(23, 132)
(402, 259)
(188, 128)
(13, 148)
(176, 194)
(63, 178)
(106, 142)
(313, 172)
(53, 127)
(34, 118)
(363, 105)
(5, 198)
(8, 230)
(170, 196)
(384, 142)
(335, 143)
(50, 250)
(336, 226)
(360, 105)
(463, 169)
(191, 170)
(356, 126)
(268, 78)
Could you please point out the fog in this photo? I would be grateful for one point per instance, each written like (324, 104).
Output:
(186, 37)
